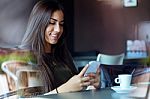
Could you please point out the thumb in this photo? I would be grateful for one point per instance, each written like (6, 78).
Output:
(98, 71)
(83, 70)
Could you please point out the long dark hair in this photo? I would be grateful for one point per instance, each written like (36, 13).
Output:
(34, 40)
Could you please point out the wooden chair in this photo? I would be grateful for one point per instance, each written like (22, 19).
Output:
(3, 84)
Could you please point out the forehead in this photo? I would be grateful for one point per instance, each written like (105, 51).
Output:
(58, 15)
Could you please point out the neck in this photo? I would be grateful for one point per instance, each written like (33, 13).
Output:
(48, 48)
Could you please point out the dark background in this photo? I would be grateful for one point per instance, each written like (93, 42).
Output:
(105, 25)
(93, 25)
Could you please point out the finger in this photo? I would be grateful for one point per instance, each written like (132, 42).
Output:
(91, 75)
(97, 84)
(85, 79)
(98, 71)
(92, 81)
(83, 70)
(85, 84)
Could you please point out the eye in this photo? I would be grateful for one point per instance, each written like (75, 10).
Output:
(61, 23)
(52, 22)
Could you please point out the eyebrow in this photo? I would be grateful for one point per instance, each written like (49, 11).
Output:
(56, 20)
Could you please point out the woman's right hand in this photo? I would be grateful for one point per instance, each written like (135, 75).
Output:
(76, 83)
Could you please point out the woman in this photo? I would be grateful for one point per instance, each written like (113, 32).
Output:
(45, 35)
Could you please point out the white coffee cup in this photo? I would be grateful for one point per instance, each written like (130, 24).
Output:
(124, 80)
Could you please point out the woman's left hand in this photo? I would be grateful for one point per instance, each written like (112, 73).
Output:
(95, 78)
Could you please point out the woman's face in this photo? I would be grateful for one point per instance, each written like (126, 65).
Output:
(55, 28)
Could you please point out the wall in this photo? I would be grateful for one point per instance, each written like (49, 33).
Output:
(14, 16)
(105, 25)
(13, 19)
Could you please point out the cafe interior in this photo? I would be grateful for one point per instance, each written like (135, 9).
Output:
(114, 32)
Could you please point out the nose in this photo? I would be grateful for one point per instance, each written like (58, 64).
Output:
(57, 27)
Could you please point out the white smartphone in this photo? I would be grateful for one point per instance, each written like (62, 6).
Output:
(93, 66)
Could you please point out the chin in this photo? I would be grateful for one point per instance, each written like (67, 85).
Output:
(53, 42)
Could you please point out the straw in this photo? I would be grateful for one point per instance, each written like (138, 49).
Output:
(133, 71)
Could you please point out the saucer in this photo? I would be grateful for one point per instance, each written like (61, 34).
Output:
(123, 90)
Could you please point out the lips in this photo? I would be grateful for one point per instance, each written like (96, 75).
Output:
(53, 36)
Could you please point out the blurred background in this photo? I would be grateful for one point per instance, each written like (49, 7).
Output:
(13, 20)
(94, 25)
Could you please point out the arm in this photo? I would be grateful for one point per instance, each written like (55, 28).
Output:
(76, 83)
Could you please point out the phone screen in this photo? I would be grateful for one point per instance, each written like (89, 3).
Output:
(93, 66)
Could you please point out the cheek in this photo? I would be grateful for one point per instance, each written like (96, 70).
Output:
(46, 36)
(48, 29)
(61, 32)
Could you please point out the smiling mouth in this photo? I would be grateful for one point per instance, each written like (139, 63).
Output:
(54, 36)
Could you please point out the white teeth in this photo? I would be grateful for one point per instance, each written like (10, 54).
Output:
(54, 35)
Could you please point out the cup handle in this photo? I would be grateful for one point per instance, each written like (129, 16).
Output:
(117, 80)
